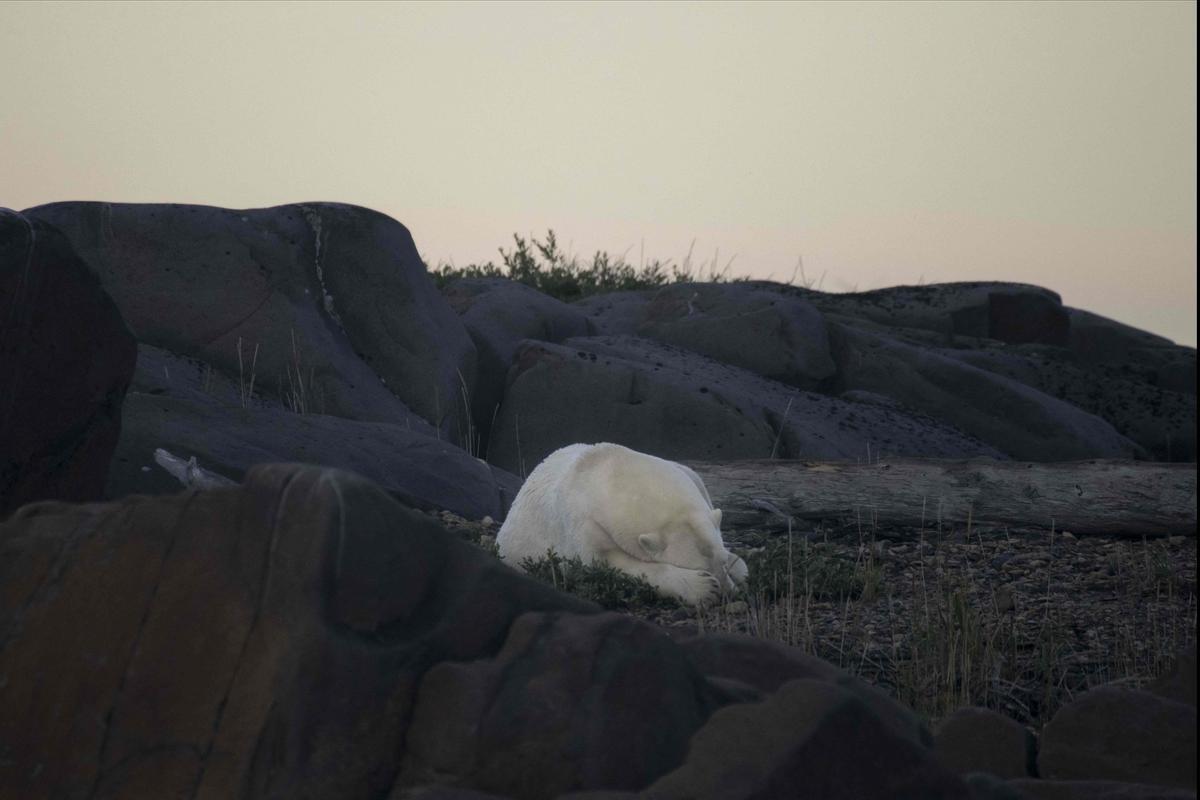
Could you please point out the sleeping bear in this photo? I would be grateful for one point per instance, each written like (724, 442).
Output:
(644, 515)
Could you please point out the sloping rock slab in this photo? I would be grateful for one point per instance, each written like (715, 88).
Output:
(1126, 395)
(66, 360)
(680, 405)
(1179, 683)
(1011, 416)
(615, 313)
(261, 641)
(776, 336)
(405, 459)
(1122, 735)
(333, 292)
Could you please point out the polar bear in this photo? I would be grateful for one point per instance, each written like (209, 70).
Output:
(641, 514)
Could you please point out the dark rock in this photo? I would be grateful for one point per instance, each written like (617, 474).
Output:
(615, 313)
(1179, 683)
(810, 739)
(442, 793)
(564, 706)
(499, 314)
(985, 786)
(1118, 734)
(66, 360)
(1009, 312)
(981, 740)
(1127, 394)
(766, 666)
(1022, 422)
(1098, 790)
(183, 408)
(778, 337)
(334, 298)
(676, 404)
(266, 640)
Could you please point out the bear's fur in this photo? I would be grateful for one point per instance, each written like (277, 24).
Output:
(641, 514)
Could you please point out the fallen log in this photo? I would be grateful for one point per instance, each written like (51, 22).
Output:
(1124, 498)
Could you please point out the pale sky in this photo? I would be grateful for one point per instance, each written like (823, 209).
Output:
(1051, 143)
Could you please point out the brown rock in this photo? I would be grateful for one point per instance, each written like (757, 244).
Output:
(266, 640)
(981, 740)
(1119, 734)
(811, 739)
(566, 705)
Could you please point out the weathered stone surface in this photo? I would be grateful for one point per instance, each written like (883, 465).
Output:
(66, 360)
(810, 739)
(570, 703)
(181, 406)
(1009, 312)
(981, 740)
(266, 640)
(1097, 790)
(1179, 684)
(1125, 394)
(680, 405)
(333, 292)
(498, 315)
(615, 313)
(776, 336)
(1011, 416)
(1110, 733)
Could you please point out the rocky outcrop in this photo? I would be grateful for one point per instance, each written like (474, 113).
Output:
(66, 360)
(1122, 735)
(191, 411)
(499, 314)
(326, 304)
(680, 405)
(305, 635)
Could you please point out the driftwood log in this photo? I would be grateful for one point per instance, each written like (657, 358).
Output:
(1126, 498)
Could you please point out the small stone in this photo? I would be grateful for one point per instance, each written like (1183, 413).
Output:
(488, 521)
(1068, 536)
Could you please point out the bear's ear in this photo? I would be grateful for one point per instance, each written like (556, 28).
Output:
(716, 517)
(652, 543)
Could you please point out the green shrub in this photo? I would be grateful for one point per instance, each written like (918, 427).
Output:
(545, 267)
(602, 584)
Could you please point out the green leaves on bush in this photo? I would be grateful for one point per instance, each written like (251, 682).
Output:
(600, 583)
(545, 267)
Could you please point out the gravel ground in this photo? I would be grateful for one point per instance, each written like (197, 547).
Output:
(1021, 621)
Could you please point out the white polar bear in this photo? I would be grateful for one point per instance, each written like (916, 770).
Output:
(643, 515)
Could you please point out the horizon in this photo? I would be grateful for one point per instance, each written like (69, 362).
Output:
(882, 144)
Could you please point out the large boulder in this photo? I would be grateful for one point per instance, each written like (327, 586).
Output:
(1097, 790)
(302, 634)
(326, 303)
(569, 703)
(66, 360)
(1007, 414)
(498, 315)
(190, 411)
(776, 336)
(1119, 734)
(267, 640)
(680, 405)
(981, 740)
(810, 739)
